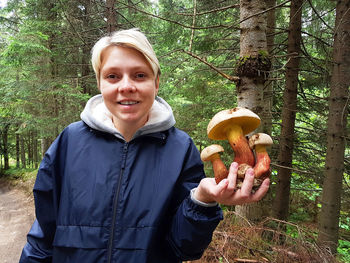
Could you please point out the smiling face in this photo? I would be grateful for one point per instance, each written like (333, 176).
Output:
(128, 86)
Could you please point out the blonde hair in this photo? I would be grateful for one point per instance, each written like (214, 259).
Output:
(132, 38)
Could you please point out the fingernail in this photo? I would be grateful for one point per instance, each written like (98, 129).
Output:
(234, 165)
(250, 171)
(266, 181)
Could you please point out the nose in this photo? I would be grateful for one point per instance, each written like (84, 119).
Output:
(126, 85)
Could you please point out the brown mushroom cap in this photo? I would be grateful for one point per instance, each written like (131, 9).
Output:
(207, 152)
(260, 139)
(243, 117)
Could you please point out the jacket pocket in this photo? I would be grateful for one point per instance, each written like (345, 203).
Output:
(81, 237)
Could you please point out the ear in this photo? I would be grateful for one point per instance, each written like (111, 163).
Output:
(157, 84)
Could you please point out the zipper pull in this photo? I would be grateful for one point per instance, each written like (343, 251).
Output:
(125, 150)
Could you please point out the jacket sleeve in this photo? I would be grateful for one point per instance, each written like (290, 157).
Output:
(46, 195)
(193, 224)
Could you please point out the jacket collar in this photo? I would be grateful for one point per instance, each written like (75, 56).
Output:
(97, 117)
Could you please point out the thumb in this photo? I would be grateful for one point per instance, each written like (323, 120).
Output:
(222, 185)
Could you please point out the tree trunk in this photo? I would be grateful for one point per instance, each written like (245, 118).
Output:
(111, 16)
(266, 115)
(85, 56)
(5, 146)
(252, 68)
(23, 152)
(336, 132)
(35, 150)
(286, 143)
(45, 144)
(1, 150)
(29, 150)
(17, 151)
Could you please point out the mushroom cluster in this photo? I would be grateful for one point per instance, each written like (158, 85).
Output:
(233, 125)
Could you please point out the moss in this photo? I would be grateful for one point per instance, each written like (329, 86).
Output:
(254, 66)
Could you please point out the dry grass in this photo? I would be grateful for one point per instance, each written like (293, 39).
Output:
(264, 243)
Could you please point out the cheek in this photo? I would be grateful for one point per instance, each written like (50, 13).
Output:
(107, 93)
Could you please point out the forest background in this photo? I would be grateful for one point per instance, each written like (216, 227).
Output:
(295, 69)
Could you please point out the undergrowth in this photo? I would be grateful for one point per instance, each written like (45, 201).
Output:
(23, 174)
(269, 241)
(19, 177)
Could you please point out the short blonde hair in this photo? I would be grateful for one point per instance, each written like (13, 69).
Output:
(132, 38)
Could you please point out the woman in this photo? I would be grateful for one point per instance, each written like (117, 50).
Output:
(123, 184)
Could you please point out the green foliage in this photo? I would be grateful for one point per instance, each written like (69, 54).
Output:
(22, 174)
(344, 250)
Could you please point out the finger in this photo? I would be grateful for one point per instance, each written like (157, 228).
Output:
(232, 176)
(220, 187)
(248, 182)
(260, 193)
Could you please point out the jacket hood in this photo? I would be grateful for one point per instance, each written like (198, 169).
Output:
(98, 117)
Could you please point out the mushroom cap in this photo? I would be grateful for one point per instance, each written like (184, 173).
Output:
(210, 150)
(243, 117)
(260, 139)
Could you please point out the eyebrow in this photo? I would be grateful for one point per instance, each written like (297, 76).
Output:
(133, 68)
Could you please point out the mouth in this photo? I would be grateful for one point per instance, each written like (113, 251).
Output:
(128, 102)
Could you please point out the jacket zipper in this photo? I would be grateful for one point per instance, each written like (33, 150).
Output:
(115, 205)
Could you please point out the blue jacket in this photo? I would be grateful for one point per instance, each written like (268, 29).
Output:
(101, 199)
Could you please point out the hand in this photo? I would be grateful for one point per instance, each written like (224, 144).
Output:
(226, 193)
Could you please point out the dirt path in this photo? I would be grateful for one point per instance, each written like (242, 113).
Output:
(16, 218)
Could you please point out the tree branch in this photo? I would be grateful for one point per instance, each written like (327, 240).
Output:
(70, 23)
(211, 11)
(290, 168)
(264, 11)
(193, 23)
(231, 78)
(172, 21)
(320, 17)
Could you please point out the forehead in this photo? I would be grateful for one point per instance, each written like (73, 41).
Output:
(123, 56)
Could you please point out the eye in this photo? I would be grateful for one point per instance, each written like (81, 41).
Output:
(111, 76)
(140, 75)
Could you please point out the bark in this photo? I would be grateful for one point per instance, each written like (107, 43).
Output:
(111, 16)
(35, 150)
(252, 68)
(17, 151)
(254, 61)
(336, 131)
(45, 144)
(286, 143)
(85, 56)
(23, 152)
(5, 146)
(266, 115)
(30, 150)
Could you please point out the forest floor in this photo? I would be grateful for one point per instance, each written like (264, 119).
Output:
(16, 218)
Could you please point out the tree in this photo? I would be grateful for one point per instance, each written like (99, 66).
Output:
(254, 64)
(336, 131)
(266, 114)
(111, 16)
(286, 141)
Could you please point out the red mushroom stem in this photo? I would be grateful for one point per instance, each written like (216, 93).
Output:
(262, 166)
(240, 146)
(220, 170)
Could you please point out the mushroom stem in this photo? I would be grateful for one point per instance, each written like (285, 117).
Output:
(220, 170)
(262, 166)
(211, 153)
(240, 146)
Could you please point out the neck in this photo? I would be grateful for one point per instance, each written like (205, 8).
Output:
(127, 129)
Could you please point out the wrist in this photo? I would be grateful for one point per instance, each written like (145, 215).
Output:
(202, 197)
